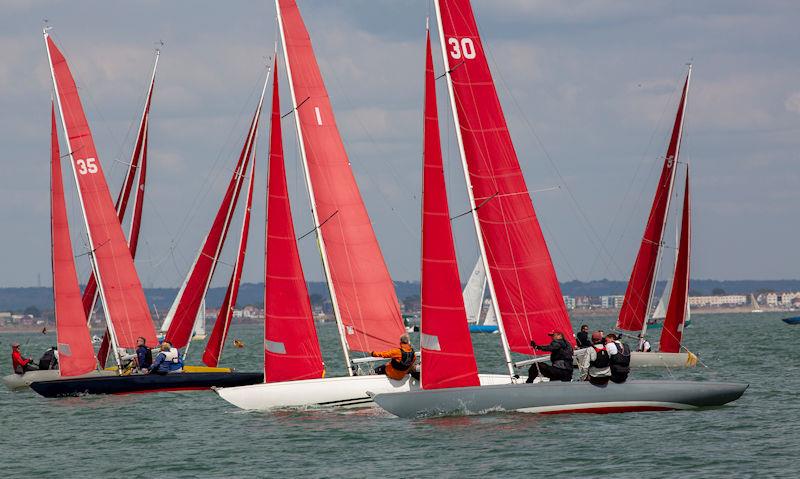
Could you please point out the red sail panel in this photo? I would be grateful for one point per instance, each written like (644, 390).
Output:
(138, 203)
(672, 330)
(445, 341)
(75, 350)
(123, 296)
(219, 334)
(360, 283)
(182, 315)
(520, 268)
(633, 313)
(291, 348)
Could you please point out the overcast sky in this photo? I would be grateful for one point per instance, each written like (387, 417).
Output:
(597, 82)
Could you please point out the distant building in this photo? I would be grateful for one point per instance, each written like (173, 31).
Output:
(613, 301)
(772, 300)
(718, 301)
(569, 301)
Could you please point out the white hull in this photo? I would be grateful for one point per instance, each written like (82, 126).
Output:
(17, 382)
(325, 392)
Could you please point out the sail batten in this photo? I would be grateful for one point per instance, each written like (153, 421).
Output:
(445, 341)
(361, 289)
(291, 347)
(639, 293)
(76, 353)
(521, 276)
(123, 298)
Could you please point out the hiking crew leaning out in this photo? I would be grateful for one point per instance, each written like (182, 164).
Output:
(595, 364)
(619, 354)
(560, 355)
(402, 360)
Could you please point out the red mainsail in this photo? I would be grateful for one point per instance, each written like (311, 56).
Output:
(123, 298)
(75, 350)
(361, 289)
(291, 348)
(521, 273)
(672, 330)
(444, 339)
(219, 334)
(635, 306)
(180, 320)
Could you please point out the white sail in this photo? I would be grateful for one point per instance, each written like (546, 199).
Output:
(199, 331)
(490, 319)
(474, 291)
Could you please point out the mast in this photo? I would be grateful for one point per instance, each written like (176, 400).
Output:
(320, 240)
(472, 205)
(669, 201)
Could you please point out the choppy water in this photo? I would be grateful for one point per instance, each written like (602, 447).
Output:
(200, 435)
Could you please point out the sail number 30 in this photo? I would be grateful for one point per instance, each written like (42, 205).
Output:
(464, 48)
(89, 165)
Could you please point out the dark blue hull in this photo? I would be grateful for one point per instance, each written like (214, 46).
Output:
(794, 320)
(147, 383)
(480, 328)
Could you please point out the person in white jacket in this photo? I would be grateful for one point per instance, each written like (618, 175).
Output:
(595, 365)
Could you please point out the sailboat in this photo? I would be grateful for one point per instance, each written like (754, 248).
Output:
(474, 294)
(126, 311)
(362, 293)
(635, 314)
(479, 116)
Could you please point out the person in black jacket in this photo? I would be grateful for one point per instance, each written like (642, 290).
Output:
(583, 337)
(560, 357)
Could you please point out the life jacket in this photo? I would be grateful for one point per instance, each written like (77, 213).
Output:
(48, 360)
(406, 360)
(623, 356)
(562, 357)
(148, 356)
(602, 360)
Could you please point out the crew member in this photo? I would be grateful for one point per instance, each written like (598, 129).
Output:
(402, 360)
(644, 345)
(619, 354)
(21, 364)
(595, 364)
(560, 357)
(583, 337)
(144, 356)
(49, 359)
(167, 361)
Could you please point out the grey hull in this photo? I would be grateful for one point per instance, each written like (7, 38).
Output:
(561, 397)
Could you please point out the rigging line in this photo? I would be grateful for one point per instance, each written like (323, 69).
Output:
(456, 67)
(320, 225)
(477, 207)
(295, 108)
(89, 253)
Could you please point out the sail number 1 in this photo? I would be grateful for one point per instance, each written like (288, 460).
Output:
(88, 165)
(464, 48)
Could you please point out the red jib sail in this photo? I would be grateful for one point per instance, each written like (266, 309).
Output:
(219, 334)
(291, 348)
(672, 330)
(138, 163)
(521, 271)
(123, 298)
(180, 320)
(444, 339)
(361, 289)
(75, 350)
(635, 306)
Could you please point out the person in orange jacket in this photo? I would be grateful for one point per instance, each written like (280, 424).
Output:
(402, 360)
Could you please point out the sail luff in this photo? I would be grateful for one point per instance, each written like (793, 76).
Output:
(219, 333)
(672, 330)
(76, 353)
(123, 300)
(291, 346)
(444, 339)
(639, 293)
(362, 287)
(180, 319)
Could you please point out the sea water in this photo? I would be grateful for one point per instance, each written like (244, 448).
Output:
(197, 434)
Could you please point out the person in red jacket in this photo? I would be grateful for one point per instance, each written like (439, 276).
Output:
(21, 364)
(402, 360)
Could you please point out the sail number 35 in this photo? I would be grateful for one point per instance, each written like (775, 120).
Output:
(464, 48)
(88, 165)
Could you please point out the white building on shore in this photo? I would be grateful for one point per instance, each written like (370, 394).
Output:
(721, 301)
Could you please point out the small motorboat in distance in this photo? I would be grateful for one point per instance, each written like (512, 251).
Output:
(792, 320)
